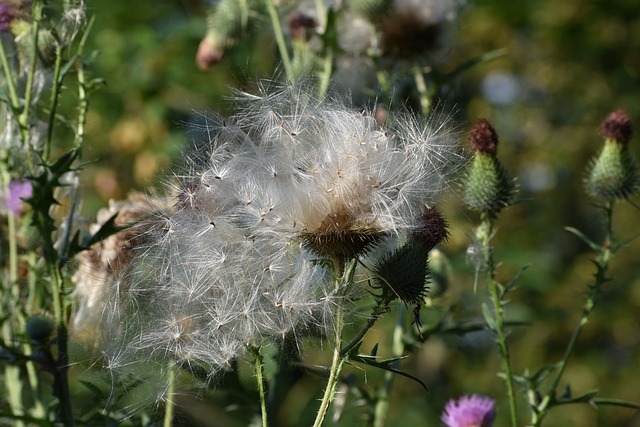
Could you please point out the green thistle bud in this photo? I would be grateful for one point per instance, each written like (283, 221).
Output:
(614, 173)
(227, 22)
(47, 46)
(488, 186)
(39, 328)
(404, 274)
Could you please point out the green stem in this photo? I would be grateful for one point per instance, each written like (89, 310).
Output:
(322, 14)
(423, 91)
(382, 402)
(381, 308)
(334, 372)
(170, 404)
(8, 74)
(496, 298)
(259, 369)
(282, 47)
(602, 265)
(83, 95)
(25, 117)
(343, 279)
(13, 383)
(327, 71)
(53, 102)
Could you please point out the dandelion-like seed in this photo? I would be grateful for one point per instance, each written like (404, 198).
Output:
(267, 193)
(469, 411)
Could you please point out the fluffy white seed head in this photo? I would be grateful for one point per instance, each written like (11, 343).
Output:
(265, 193)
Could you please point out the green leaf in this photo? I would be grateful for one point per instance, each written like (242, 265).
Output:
(488, 317)
(107, 229)
(465, 66)
(594, 247)
(511, 284)
(624, 242)
(387, 366)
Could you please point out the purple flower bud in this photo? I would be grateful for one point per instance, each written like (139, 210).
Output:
(617, 126)
(469, 411)
(18, 190)
(7, 14)
(483, 137)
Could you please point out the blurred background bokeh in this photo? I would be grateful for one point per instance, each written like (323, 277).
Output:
(566, 64)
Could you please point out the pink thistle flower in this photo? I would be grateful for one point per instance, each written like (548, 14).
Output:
(469, 411)
(18, 191)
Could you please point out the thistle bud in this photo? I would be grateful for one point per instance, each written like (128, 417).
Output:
(7, 15)
(614, 174)
(209, 53)
(488, 186)
(404, 274)
(47, 46)
(432, 229)
(299, 25)
(39, 328)
(227, 21)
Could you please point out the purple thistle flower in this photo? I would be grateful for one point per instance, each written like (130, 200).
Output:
(7, 14)
(469, 411)
(18, 190)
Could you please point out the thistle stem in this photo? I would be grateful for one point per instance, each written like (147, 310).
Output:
(282, 46)
(602, 265)
(53, 103)
(12, 379)
(423, 91)
(259, 369)
(344, 277)
(382, 401)
(169, 408)
(334, 372)
(498, 304)
(25, 117)
(8, 74)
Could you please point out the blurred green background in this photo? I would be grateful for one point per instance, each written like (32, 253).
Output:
(567, 64)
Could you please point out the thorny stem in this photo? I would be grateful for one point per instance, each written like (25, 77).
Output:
(259, 369)
(282, 46)
(61, 380)
(397, 348)
(343, 278)
(496, 298)
(602, 264)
